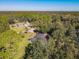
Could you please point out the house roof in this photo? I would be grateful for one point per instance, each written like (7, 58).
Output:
(39, 36)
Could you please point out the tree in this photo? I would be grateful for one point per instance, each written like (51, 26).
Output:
(9, 45)
(42, 23)
(59, 46)
(4, 26)
(37, 50)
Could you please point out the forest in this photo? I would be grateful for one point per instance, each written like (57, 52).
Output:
(39, 35)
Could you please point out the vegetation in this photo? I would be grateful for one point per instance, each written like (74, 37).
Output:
(4, 24)
(62, 29)
(9, 44)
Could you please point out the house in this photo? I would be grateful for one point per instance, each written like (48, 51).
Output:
(31, 30)
(39, 36)
(27, 24)
(23, 27)
(23, 24)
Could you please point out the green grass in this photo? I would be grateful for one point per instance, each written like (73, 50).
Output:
(24, 43)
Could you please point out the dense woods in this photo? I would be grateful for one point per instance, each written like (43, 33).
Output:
(61, 40)
(3, 24)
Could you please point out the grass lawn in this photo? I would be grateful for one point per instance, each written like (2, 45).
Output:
(24, 43)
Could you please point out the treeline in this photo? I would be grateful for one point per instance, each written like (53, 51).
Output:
(63, 42)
